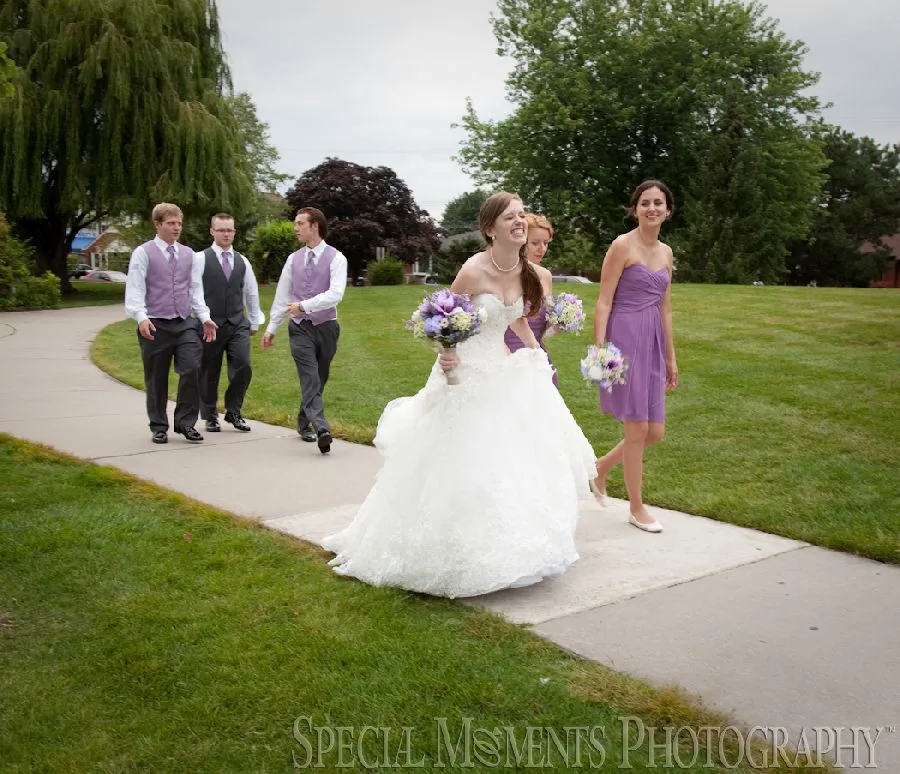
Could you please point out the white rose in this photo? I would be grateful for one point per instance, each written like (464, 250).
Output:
(595, 373)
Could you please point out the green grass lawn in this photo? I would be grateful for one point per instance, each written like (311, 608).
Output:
(89, 293)
(785, 419)
(140, 631)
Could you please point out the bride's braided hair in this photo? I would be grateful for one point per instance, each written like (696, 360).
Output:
(493, 207)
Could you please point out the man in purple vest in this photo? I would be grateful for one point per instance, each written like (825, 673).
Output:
(164, 294)
(311, 285)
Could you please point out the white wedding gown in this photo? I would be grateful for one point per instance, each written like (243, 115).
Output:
(481, 480)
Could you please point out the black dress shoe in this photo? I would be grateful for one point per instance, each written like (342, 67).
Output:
(307, 431)
(190, 434)
(160, 436)
(303, 426)
(324, 440)
(237, 420)
(213, 426)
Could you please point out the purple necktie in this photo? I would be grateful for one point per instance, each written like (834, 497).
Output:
(310, 256)
(171, 250)
(226, 264)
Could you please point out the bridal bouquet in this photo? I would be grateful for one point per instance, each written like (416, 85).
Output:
(565, 313)
(445, 319)
(604, 366)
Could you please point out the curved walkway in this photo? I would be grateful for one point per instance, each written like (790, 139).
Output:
(774, 632)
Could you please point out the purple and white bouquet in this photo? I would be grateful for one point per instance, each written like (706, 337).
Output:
(604, 366)
(565, 313)
(445, 319)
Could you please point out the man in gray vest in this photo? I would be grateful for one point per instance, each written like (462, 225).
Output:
(229, 286)
(164, 294)
(311, 285)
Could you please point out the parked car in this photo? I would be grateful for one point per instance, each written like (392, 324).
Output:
(105, 276)
(572, 278)
(80, 270)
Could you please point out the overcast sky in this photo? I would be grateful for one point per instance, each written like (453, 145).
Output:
(380, 83)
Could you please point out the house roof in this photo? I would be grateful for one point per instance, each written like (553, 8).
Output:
(447, 241)
(108, 242)
(892, 243)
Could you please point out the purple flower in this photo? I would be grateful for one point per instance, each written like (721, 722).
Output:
(432, 325)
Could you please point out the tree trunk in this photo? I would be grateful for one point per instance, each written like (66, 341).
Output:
(52, 242)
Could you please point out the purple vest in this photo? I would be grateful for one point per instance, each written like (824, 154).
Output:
(168, 283)
(309, 282)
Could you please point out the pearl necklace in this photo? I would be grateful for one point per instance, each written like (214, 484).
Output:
(500, 268)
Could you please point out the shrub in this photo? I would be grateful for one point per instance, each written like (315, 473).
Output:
(42, 292)
(19, 289)
(386, 272)
(271, 246)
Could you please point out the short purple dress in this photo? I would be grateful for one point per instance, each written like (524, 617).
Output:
(635, 327)
(538, 325)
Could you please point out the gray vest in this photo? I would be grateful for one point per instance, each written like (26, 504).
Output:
(225, 298)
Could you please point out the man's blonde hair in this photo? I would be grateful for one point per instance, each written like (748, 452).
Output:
(165, 210)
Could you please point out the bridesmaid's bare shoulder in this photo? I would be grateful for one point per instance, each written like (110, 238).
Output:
(545, 277)
(670, 256)
(619, 249)
(542, 272)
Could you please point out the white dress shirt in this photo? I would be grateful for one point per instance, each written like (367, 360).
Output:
(326, 300)
(251, 287)
(136, 284)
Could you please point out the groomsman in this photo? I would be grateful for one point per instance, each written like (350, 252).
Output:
(311, 285)
(229, 286)
(164, 294)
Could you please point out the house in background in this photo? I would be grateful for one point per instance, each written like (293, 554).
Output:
(82, 239)
(97, 243)
(104, 246)
(891, 277)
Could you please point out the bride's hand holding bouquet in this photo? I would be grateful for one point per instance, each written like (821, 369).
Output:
(445, 319)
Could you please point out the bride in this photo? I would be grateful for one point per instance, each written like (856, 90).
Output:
(481, 480)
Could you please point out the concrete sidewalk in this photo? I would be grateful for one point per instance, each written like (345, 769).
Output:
(774, 632)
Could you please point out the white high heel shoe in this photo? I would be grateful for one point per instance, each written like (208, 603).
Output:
(653, 526)
(599, 496)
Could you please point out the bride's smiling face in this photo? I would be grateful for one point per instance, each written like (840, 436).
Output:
(510, 227)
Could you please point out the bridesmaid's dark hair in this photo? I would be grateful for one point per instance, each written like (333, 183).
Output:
(493, 207)
(646, 185)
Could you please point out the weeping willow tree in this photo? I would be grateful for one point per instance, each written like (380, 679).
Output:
(116, 104)
(7, 69)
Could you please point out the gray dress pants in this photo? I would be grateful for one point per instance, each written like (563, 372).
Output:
(313, 347)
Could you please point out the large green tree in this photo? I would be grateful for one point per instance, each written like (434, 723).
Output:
(859, 204)
(710, 97)
(461, 214)
(261, 158)
(366, 207)
(261, 154)
(116, 105)
(7, 71)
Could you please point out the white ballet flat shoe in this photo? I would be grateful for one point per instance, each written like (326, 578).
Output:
(599, 496)
(653, 526)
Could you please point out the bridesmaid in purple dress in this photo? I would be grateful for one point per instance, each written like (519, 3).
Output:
(540, 235)
(634, 312)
